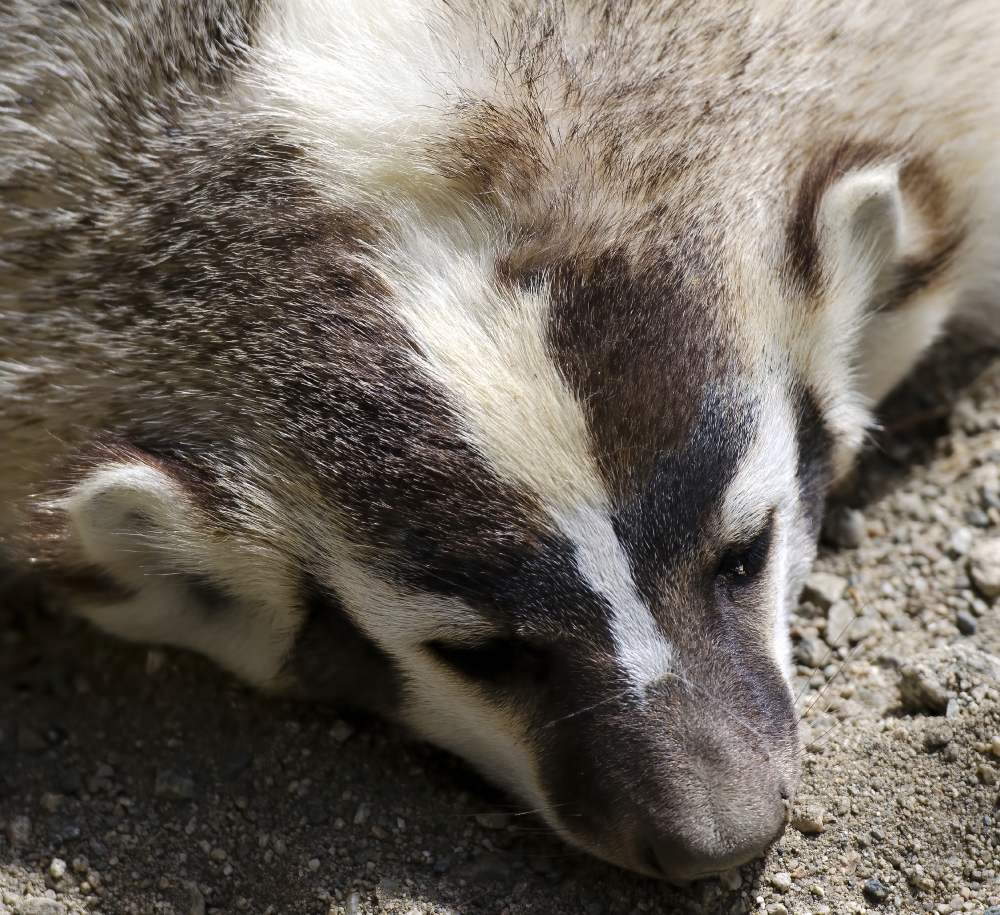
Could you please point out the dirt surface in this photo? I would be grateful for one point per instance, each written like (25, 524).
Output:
(143, 780)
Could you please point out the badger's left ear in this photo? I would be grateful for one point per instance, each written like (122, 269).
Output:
(132, 520)
(859, 223)
(182, 573)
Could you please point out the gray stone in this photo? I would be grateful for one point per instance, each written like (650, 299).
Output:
(731, 880)
(781, 881)
(977, 517)
(197, 901)
(39, 905)
(811, 652)
(807, 818)
(173, 787)
(841, 628)
(353, 905)
(444, 864)
(824, 589)
(966, 622)
(961, 541)
(937, 736)
(984, 566)
(921, 690)
(19, 831)
(844, 527)
(876, 890)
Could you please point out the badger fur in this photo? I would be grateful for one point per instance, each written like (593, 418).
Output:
(483, 365)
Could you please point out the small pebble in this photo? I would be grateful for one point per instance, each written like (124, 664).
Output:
(811, 652)
(781, 881)
(173, 787)
(840, 625)
(39, 905)
(844, 527)
(808, 819)
(977, 517)
(937, 736)
(731, 880)
(314, 864)
(966, 622)
(984, 566)
(876, 890)
(824, 589)
(341, 730)
(57, 868)
(961, 541)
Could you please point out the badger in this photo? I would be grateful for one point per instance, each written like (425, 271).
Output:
(482, 365)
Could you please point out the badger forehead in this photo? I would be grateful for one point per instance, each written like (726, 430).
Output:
(598, 429)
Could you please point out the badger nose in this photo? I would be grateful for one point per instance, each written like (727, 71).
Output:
(727, 836)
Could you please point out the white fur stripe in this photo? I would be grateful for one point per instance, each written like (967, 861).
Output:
(642, 650)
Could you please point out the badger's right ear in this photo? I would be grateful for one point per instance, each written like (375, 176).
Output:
(858, 229)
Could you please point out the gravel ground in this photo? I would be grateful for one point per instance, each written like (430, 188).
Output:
(137, 780)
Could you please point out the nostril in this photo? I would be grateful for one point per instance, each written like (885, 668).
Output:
(649, 856)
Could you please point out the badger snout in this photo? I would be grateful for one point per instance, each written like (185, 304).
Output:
(723, 803)
(681, 784)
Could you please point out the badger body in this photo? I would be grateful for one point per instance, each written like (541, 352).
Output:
(482, 365)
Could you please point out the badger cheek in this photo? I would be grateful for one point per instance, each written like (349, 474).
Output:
(447, 712)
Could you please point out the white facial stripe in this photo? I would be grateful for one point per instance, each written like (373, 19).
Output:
(640, 646)
(486, 347)
(766, 480)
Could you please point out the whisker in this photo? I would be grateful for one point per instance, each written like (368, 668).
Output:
(840, 670)
(825, 656)
(589, 708)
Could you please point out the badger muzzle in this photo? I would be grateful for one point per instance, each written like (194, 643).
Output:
(693, 778)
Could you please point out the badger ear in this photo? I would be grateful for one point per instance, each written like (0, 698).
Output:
(131, 519)
(858, 229)
(183, 574)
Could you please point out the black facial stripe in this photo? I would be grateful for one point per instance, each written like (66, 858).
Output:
(668, 518)
(335, 662)
(815, 444)
(637, 343)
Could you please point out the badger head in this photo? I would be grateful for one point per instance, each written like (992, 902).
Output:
(521, 444)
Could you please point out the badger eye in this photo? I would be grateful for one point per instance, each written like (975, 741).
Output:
(495, 660)
(741, 564)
